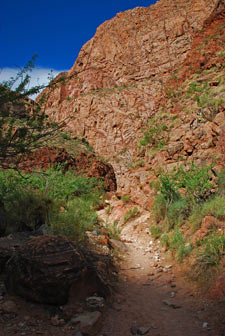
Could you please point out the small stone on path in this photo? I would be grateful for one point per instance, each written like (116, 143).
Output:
(9, 307)
(172, 294)
(133, 330)
(172, 305)
(139, 330)
(143, 331)
(89, 322)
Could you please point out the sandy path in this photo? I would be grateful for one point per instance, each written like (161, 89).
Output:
(150, 297)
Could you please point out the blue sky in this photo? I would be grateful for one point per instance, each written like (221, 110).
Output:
(54, 29)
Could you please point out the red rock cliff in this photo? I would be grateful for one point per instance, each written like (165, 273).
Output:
(116, 82)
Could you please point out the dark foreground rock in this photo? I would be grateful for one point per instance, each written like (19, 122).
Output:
(89, 323)
(3, 217)
(10, 244)
(49, 269)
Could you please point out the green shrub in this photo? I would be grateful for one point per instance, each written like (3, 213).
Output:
(35, 199)
(221, 182)
(176, 243)
(54, 183)
(27, 210)
(176, 240)
(132, 213)
(160, 208)
(195, 181)
(195, 184)
(168, 189)
(177, 212)
(113, 229)
(209, 254)
(73, 221)
(183, 197)
(214, 207)
(153, 135)
(212, 249)
(138, 163)
(65, 136)
(164, 239)
(125, 198)
(156, 231)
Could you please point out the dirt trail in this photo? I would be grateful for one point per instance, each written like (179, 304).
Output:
(150, 297)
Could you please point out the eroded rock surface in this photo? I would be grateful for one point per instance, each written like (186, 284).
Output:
(49, 269)
(116, 83)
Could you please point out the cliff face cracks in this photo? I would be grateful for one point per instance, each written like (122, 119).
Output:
(117, 80)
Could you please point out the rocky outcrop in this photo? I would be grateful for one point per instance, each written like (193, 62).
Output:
(10, 244)
(50, 269)
(82, 163)
(116, 83)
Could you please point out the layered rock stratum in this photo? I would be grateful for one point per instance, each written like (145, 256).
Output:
(119, 82)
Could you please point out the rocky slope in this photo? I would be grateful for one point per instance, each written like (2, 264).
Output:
(118, 84)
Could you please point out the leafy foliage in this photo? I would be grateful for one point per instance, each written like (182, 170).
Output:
(182, 201)
(24, 126)
(221, 182)
(194, 181)
(63, 202)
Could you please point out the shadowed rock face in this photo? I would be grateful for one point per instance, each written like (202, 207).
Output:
(83, 163)
(116, 82)
(49, 269)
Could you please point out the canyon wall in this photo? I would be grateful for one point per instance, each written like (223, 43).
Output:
(117, 83)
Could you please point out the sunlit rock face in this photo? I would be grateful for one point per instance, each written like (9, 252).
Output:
(116, 83)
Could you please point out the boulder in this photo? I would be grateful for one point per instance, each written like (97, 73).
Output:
(89, 323)
(44, 269)
(8, 307)
(175, 147)
(10, 244)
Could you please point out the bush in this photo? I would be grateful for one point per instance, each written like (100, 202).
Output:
(214, 207)
(168, 189)
(156, 231)
(24, 125)
(27, 210)
(195, 181)
(74, 220)
(153, 135)
(221, 182)
(176, 243)
(209, 256)
(64, 202)
(66, 186)
(113, 230)
(177, 212)
(125, 198)
(183, 198)
(213, 249)
(132, 213)
(160, 208)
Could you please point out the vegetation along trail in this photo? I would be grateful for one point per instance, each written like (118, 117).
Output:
(152, 298)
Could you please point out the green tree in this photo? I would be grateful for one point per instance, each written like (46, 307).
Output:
(24, 125)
